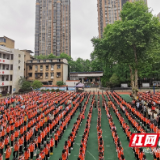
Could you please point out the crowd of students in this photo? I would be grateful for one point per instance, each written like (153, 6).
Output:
(99, 134)
(116, 140)
(37, 122)
(26, 130)
(83, 145)
(71, 138)
(137, 125)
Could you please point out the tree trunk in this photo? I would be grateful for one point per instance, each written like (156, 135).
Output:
(136, 71)
(132, 81)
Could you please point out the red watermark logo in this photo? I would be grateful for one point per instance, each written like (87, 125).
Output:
(144, 140)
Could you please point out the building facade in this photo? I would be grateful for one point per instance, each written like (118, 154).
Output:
(27, 56)
(11, 69)
(109, 12)
(53, 27)
(47, 71)
(6, 42)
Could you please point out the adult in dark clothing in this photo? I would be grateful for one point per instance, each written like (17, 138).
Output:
(149, 105)
(140, 107)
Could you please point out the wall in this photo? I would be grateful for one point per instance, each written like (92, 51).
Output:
(65, 73)
(17, 73)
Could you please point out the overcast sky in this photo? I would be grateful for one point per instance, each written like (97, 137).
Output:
(17, 21)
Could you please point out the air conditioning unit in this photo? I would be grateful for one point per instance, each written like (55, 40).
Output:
(41, 69)
(51, 69)
(57, 76)
(52, 77)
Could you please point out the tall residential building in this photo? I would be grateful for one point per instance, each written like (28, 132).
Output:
(108, 12)
(53, 27)
(6, 42)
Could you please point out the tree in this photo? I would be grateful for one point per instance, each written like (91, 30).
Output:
(60, 83)
(26, 86)
(114, 80)
(133, 41)
(21, 80)
(51, 56)
(41, 57)
(36, 84)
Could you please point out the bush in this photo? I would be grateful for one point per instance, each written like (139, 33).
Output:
(48, 90)
(57, 90)
(52, 90)
(60, 83)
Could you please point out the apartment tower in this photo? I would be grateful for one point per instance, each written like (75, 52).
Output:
(53, 27)
(108, 12)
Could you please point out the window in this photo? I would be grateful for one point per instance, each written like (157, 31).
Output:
(38, 61)
(44, 60)
(46, 75)
(36, 68)
(10, 77)
(41, 67)
(52, 74)
(19, 67)
(30, 67)
(52, 67)
(47, 67)
(19, 61)
(58, 66)
(11, 56)
(19, 55)
(11, 67)
(30, 74)
(58, 74)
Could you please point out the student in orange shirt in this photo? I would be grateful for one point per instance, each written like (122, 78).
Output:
(26, 154)
(39, 140)
(64, 155)
(56, 139)
(12, 139)
(8, 152)
(6, 141)
(16, 149)
(31, 148)
(21, 141)
(51, 145)
(1, 146)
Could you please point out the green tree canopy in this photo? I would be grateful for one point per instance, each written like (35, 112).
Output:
(133, 41)
(60, 83)
(36, 84)
(26, 85)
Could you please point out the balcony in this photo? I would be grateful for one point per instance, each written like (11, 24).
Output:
(6, 72)
(6, 83)
(6, 61)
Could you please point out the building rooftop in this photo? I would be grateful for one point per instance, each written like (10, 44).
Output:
(7, 38)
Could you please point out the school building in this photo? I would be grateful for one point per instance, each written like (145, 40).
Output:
(48, 71)
(11, 69)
